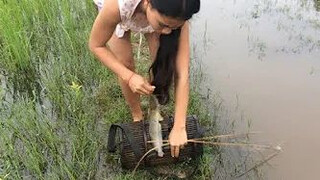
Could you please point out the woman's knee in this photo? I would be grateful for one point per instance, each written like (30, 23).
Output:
(122, 49)
(128, 63)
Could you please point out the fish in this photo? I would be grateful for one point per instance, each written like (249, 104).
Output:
(155, 117)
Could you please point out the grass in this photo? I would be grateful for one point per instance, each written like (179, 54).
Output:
(57, 101)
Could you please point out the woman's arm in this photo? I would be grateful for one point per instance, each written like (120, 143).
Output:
(182, 78)
(178, 134)
(101, 32)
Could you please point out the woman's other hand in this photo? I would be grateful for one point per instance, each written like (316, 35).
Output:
(177, 139)
(140, 85)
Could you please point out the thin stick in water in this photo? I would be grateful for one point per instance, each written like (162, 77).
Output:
(226, 136)
(259, 164)
(258, 146)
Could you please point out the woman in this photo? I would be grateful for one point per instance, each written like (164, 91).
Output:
(165, 25)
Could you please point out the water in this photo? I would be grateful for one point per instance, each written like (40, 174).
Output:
(263, 58)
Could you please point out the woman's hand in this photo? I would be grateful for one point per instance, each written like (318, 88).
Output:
(177, 138)
(140, 85)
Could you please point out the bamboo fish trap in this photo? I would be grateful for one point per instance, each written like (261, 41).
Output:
(131, 141)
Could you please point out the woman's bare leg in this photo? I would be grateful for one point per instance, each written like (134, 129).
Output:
(122, 49)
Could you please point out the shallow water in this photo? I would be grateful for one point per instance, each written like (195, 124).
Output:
(263, 58)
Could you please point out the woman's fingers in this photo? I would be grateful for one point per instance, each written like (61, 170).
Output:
(140, 91)
(148, 87)
(140, 85)
(172, 150)
(175, 151)
(145, 89)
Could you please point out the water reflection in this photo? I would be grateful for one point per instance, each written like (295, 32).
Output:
(297, 24)
(263, 61)
(317, 5)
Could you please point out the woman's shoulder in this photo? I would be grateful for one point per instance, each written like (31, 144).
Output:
(110, 10)
(128, 3)
(127, 8)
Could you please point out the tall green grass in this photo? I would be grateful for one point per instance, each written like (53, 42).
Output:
(56, 100)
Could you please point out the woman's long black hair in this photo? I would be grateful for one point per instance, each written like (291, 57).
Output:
(163, 68)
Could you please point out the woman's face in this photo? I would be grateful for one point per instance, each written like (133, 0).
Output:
(161, 23)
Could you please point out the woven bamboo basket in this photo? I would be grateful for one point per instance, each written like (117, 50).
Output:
(133, 143)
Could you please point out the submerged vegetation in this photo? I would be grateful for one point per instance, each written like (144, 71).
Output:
(57, 101)
(317, 4)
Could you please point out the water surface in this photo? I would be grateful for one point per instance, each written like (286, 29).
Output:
(263, 58)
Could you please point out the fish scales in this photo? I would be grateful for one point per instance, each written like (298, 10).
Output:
(155, 131)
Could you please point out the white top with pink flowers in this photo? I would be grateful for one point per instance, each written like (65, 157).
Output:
(129, 21)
